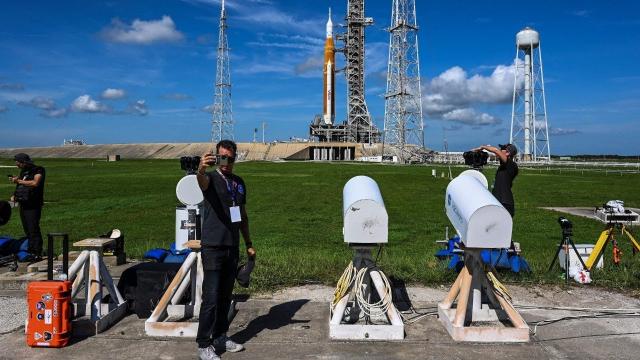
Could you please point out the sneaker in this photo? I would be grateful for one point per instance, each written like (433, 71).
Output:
(207, 353)
(224, 342)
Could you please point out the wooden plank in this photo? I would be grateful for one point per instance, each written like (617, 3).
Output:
(193, 244)
(94, 243)
(463, 297)
(453, 292)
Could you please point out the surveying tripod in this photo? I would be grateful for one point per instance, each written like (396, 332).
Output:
(609, 235)
(566, 244)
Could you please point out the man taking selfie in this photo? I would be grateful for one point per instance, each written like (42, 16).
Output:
(224, 218)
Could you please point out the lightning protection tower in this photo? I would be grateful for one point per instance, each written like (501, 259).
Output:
(529, 130)
(359, 121)
(222, 122)
(403, 119)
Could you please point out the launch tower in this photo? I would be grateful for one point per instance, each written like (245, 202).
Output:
(222, 121)
(403, 119)
(358, 127)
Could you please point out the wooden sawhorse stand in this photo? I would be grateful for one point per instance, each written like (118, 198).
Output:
(470, 289)
(90, 273)
(168, 318)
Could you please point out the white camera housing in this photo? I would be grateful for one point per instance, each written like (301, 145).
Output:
(478, 217)
(365, 217)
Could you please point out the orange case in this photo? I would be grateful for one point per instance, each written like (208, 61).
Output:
(49, 313)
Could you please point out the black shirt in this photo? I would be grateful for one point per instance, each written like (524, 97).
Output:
(217, 228)
(507, 171)
(36, 195)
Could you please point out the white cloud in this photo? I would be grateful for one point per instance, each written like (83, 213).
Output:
(113, 94)
(40, 102)
(139, 108)
(143, 32)
(562, 131)
(11, 86)
(470, 117)
(452, 95)
(85, 103)
(176, 96)
(313, 64)
(274, 103)
(208, 108)
(454, 89)
(55, 113)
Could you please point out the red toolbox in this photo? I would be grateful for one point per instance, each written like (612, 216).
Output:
(49, 304)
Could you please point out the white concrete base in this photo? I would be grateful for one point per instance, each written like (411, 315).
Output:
(366, 332)
(171, 329)
(494, 332)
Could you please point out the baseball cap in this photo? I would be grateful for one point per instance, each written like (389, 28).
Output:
(512, 149)
(23, 158)
(244, 272)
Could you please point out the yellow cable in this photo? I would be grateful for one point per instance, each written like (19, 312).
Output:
(344, 284)
(501, 289)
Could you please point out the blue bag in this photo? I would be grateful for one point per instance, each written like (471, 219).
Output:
(157, 254)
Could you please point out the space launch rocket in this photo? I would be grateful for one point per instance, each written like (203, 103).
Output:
(329, 75)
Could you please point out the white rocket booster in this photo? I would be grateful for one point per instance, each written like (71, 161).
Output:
(329, 72)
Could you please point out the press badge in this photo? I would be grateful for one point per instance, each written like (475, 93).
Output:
(234, 211)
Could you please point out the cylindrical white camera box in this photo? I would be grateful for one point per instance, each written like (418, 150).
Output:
(478, 217)
(365, 217)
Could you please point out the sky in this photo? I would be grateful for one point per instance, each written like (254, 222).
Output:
(144, 71)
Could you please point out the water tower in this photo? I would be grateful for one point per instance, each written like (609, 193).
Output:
(529, 130)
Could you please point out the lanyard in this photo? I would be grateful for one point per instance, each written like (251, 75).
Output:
(230, 188)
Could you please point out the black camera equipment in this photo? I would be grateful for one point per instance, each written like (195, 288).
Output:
(190, 164)
(567, 233)
(475, 159)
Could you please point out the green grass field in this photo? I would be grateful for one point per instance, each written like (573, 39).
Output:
(296, 221)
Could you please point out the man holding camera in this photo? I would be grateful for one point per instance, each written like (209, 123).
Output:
(507, 172)
(29, 194)
(224, 218)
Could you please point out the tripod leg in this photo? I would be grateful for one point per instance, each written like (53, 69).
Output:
(556, 255)
(601, 244)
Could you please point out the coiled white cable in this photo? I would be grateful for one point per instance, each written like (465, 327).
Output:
(381, 306)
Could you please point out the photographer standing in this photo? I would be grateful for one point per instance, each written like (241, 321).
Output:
(507, 172)
(224, 218)
(30, 195)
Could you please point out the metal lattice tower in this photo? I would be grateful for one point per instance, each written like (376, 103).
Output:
(529, 127)
(403, 118)
(358, 118)
(222, 121)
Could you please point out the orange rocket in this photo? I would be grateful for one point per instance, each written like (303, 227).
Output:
(329, 76)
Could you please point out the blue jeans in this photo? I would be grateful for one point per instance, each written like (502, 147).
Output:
(220, 265)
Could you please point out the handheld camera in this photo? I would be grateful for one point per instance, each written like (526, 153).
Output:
(222, 160)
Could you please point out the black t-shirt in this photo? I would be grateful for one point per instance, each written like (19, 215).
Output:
(217, 228)
(36, 195)
(507, 171)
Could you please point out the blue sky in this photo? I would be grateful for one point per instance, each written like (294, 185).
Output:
(143, 71)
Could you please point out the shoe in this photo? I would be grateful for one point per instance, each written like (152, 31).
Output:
(207, 353)
(225, 343)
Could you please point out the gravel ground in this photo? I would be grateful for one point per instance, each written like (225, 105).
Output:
(13, 311)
